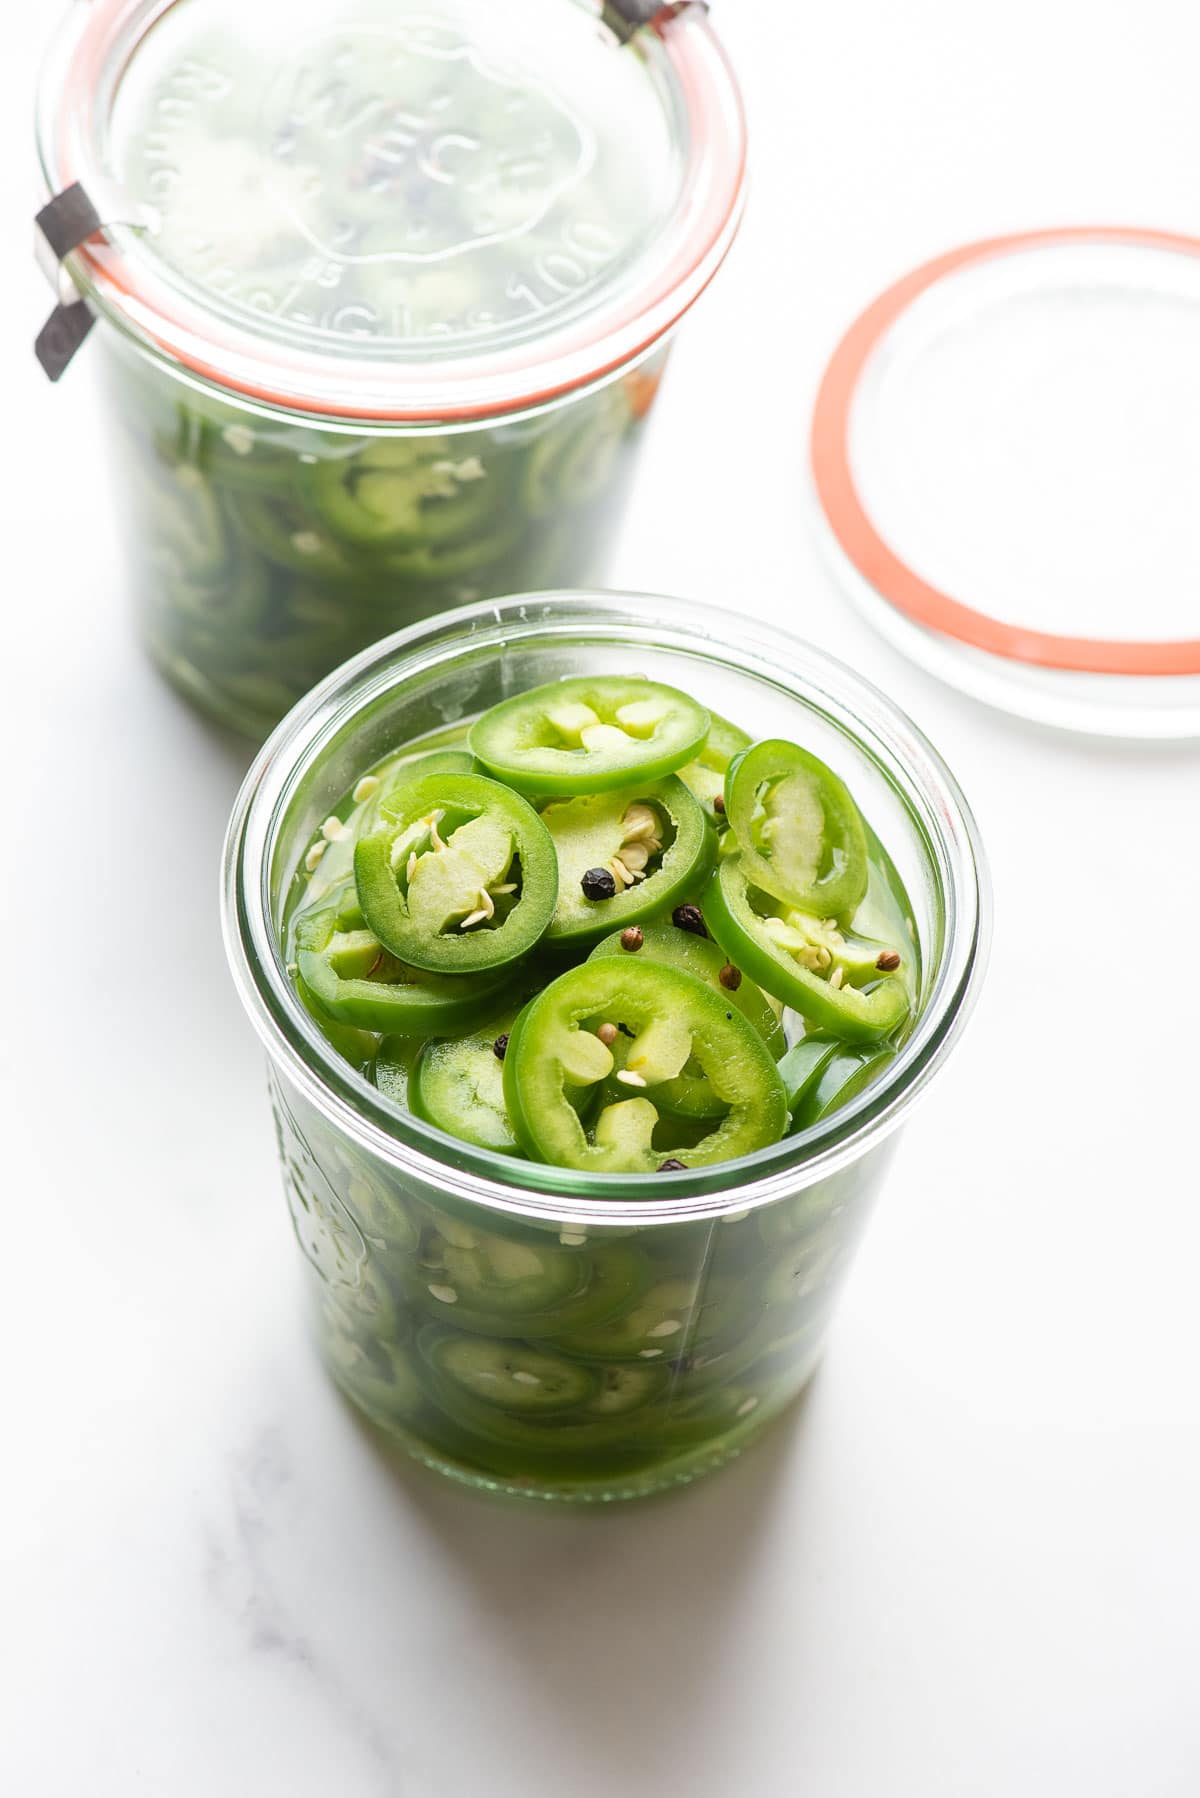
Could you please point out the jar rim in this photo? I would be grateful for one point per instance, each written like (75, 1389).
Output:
(233, 357)
(900, 752)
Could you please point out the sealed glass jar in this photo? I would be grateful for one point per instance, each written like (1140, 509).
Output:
(524, 1327)
(385, 301)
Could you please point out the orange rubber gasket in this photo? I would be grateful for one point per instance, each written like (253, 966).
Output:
(855, 532)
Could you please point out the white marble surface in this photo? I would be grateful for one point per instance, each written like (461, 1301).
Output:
(969, 1568)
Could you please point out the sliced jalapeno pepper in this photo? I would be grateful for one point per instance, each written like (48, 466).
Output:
(800, 833)
(440, 761)
(244, 454)
(459, 1087)
(710, 1416)
(543, 1442)
(803, 1066)
(350, 977)
(405, 493)
(511, 1375)
(492, 1286)
(690, 1095)
(461, 878)
(358, 1046)
(284, 531)
(674, 1018)
(573, 463)
(381, 1381)
(674, 1317)
(705, 776)
(378, 1206)
(802, 1273)
(365, 1312)
(627, 1389)
(807, 979)
(589, 736)
(624, 856)
(846, 1075)
(190, 524)
(665, 942)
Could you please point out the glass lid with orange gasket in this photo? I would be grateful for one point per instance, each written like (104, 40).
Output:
(408, 208)
(1006, 450)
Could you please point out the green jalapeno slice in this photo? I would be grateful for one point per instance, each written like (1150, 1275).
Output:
(533, 1288)
(513, 1376)
(575, 460)
(349, 976)
(405, 492)
(800, 965)
(675, 1019)
(664, 941)
(800, 833)
(669, 1321)
(641, 846)
(581, 736)
(285, 532)
(461, 878)
(690, 1095)
(843, 1077)
(803, 1065)
(705, 776)
(458, 1086)
(548, 1441)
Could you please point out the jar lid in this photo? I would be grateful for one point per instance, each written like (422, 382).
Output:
(433, 209)
(1006, 453)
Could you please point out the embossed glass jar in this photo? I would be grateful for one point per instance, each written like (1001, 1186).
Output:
(686, 1322)
(385, 301)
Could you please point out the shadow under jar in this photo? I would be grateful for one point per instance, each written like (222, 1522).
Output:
(527, 1328)
(384, 303)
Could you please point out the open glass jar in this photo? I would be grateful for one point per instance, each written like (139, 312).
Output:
(656, 1333)
(385, 302)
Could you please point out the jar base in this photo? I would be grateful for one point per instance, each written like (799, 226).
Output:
(601, 1489)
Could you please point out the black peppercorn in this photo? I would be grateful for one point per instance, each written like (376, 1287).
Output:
(500, 1047)
(599, 883)
(672, 1167)
(689, 918)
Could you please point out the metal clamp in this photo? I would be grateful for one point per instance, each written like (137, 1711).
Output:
(626, 17)
(64, 223)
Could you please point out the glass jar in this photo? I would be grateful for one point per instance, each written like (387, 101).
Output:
(385, 304)
(657, 1335)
